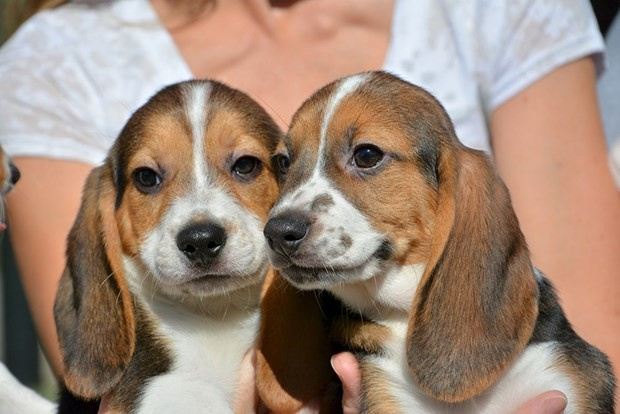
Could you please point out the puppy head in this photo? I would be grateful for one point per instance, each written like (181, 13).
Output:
(177, 211)
(384, 207)
(194, 189)
(361, 190)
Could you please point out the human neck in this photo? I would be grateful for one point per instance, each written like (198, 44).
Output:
(175, 14)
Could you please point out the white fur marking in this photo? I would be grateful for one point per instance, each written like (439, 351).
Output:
(17, 398)
(340, 221)
(207, 354)
(197, 114)
(389, 293)
(345, 88)
(243, 256)
(532, 374)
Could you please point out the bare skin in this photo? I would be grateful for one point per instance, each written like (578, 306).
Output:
(549, 146)
(547, 142)
(259, 48)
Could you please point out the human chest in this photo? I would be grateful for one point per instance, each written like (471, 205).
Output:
(280, 56)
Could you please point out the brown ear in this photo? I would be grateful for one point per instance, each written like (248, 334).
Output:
(293, 356)
(476, 305)
(93, 310)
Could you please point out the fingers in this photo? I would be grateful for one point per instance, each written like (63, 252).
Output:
(246, 399)
(551, 402)
(347, 368)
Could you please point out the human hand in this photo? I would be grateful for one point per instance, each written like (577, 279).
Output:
(550, 402)
(247, 396)
(347, 368)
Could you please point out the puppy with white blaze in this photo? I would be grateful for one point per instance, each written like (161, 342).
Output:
(394, 241)
(159, 303)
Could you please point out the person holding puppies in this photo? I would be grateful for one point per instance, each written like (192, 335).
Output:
(517, 79)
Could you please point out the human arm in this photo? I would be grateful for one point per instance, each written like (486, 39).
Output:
(41, 210)
(549, 147)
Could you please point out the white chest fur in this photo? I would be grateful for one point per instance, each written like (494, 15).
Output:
(387, 298)
(207, 353)
(532, 374)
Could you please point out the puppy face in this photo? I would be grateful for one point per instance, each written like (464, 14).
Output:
(194, 189)
(361, 189)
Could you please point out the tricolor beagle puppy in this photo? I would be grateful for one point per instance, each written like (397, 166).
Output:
(421, 269)
(160, 298)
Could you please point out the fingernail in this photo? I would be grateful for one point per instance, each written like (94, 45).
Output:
(554, 405)
(331, 362)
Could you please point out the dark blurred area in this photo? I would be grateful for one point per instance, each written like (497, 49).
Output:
(605, 11)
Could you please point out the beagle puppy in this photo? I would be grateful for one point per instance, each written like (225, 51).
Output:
(408, 242)
(159, 302)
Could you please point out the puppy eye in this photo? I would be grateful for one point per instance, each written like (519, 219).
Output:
(282, 163)
(246, 167)
(367, 156)
(146, 180)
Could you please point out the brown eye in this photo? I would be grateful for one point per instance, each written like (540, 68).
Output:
(246, 167)
(367, 156)
(283, 163)
(146, 180)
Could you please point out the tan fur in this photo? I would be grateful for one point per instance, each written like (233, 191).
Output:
(476, 304)
(155, 149)
(410, 201)
(468, 323)
(378, 397)
(97, 317)
(93, 304)
(293, 358)
(357, 334)
(230, 137)
(5, 173)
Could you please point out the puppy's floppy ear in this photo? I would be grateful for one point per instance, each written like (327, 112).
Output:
(476, 305)
(293, 356)
(93, 310)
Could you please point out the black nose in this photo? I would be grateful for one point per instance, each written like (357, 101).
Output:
(15, 174)
(201, 242)
(285, 232)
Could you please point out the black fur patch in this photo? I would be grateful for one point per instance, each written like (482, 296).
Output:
(70, 404)
(150, 359)
(552, 325)
(428, 158)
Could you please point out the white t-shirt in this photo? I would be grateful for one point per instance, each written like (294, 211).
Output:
(71, 76)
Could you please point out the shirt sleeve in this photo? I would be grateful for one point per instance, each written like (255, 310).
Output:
(524, 40)
(47, 102)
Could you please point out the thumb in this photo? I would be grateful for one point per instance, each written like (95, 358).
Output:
(550, 402)
(346, 366)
